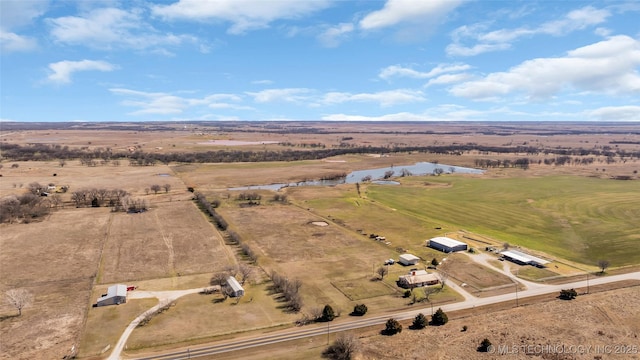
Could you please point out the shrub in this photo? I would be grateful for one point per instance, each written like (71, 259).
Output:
(420, 321)
(392, 327)
(485, 345)
(360, 310)
(439, 318)
(568, 294)
(328, 314)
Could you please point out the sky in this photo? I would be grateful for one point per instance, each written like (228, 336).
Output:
(345, 60)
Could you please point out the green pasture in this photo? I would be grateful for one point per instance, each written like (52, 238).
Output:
(575, 218)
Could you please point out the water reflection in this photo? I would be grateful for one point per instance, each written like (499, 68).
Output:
(378, 176)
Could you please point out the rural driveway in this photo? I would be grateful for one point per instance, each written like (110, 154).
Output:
(163, 298)
(338, 326)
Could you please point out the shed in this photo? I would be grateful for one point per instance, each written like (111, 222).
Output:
(116, 295)
(446, 244)
(408, 259)
(417, 278)
(523, 259)
(235, 287)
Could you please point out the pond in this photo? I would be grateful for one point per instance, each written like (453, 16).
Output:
(377, 176)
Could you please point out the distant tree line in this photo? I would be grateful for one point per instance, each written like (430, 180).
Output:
(35, 152)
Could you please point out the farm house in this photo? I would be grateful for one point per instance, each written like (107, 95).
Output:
(236, 288)
(446, 244)
(523, 259)
(116, 295)
(417, 278)
(408, 259)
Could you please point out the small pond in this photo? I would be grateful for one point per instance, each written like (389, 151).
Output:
(378, 176)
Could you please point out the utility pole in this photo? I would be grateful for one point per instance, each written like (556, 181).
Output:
(327, 332)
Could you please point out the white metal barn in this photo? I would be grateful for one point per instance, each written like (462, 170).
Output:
(236, 289)
(446, 244)
(408, 259)
(523, 259)
(116, 295)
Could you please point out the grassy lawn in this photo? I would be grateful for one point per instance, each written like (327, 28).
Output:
(105, 325)
(577, 218)
(197, 318)
(534, 273)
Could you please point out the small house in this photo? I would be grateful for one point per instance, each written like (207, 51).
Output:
(417, 278)
(408, 259)
(116, 295)
(235, 288)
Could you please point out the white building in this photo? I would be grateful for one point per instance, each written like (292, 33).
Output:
(523, 259)
(236, 288)
(408, 259)
(446, 244)
(116, 295)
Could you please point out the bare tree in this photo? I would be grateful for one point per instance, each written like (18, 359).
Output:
(166, 187)
(444, 276)
(219, 279)
(382, 271)
(345, 347)
(19, 299)
(155, 188)
(231, 270)
(506, 246)
(62, 162)
(603, 265)
(245, 272)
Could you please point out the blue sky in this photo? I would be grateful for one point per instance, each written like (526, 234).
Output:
(394, 60)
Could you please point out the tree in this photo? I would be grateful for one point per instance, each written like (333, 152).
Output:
(420, 322)
(444, 276)
(439, 318)
(505, 246)
(392, 327)
(569, 294)
(219, 279)
(382, 271)
(388, 174)
(603, 265)
(435, 262)
(328, 314)
(155, 188)
(62, 162)
(166, 187)
(359, 310)
(344, 347)
(245, 272)
(485, 345)
(19, 299)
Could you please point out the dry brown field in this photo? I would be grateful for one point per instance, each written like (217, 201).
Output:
(64, 258)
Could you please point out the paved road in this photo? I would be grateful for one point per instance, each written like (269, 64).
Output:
(351, 324)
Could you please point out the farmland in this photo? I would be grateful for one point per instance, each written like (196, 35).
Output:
(322, 236)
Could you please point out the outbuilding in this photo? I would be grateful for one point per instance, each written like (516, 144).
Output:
(523, 259)
(408, 259)
(116, 295)
(446, 244)
(417, 278)
(235, 287)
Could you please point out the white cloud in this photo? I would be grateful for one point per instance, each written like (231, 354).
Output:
(609, 66)
(287, 95)
(501, 39)
(62, 70)
(616, 113)
(262, 82)
(334, 35)
(11, 42)
(400, 11)
(161, 103)
(448, 79)
(244, 15)
(16, 13)
(108, 28)
(400, 71)
(384, 98)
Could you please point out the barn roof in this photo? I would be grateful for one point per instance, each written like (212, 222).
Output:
(448, 242)
(522, 257)
(234, 284)
(409, 257)
(115, 290)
